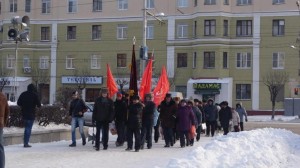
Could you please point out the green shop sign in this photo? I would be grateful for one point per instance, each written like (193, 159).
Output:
(207, 86)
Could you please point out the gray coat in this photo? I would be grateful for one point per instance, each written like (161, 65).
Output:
(242, 112)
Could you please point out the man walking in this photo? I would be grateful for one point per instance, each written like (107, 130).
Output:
(4, 113)
(28, 101)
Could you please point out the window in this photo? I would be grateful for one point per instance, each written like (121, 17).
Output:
(244, 28)
(26, 62)
(72, 6)
(243, 60)
(195, 29)
(45, 33)
(244, 2)
(278, 60)
(182, 31)
(11, 60)
(46, 6)
(150, 4)
(13, 5)
(121, 60)
(122, 31)
(27, 5)
(209, 60)
(277, 2)
(243, 91)
(181, 60)
(150, 31)
(123, 4)
(96, 32)
(225, 60)
(278, 27)
(225, 27)
(95, 62)
(70, 62)
(182, 3)
(195, 60)
(210, 27)
(209, 2)
(44, 62)
(226, 2)
(71, 32)
(195, 2)
(97, 5)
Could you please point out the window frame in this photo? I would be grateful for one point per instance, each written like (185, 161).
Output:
(45, 33)
(243, 2)
(278, 2)
(225, 60)
(44, 62)
(13, 6)
(182, 30)
(225, 28)
(210, 2)
(210, 27)
(123, 4)
(72, 8)
(242, 28)
(150, 31)
(121, 60)
(122, 31)
(97, 5)
(243, 92)
(10, 61)
(26, 61)
(95, 61)
(194, 60)
(279, 61)
(96, 32)
(27, 6)
(71, 34)
(70, 62)
(243, 60)
(150, 4)
(209, 59)
(182, 3)
(226, 2)
(182, 60)
(46, 7)
(277, 29)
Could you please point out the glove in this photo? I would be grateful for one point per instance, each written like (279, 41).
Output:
(246, 120)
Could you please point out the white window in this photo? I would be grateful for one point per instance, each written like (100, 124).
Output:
(122, 31)
(244, 28)
(46, 6)
(150, 4)
(150, 31)
(244, 2)
(96, 32)
(182, 31)
(11, 60)
(97, 5)
(209, 2)
(209, 27)
(278, 2)
(13, 5)
(26, 62)
(44, 62)
(243, 60)
(27, 5)
(123, 4)
(70, 62)
(278, 60)
(195, 60)
(72, 6)
(95, 62)
(278, 27)
(182, 3)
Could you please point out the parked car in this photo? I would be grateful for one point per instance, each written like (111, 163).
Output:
(88, 115)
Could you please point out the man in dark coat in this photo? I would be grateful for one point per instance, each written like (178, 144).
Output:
(134, 123)
(167, 116)
(225, 115)
(4, 113)
(77, 108)
(211, 115)
(28, 101)
(147, 121)
(103, 114)
(120, 118)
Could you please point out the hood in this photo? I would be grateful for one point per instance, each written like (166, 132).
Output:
(31, 88)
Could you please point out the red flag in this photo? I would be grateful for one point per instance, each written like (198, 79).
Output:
(111, 83)
(133, 75)
(146, 83)
(162, 87)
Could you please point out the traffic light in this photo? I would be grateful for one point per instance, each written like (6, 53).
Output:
(20, 30)
(296, 91)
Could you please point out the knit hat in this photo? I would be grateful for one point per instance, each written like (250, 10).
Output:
(168, 95)
(119, 94)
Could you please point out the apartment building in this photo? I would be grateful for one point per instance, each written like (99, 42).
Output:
(218, 49)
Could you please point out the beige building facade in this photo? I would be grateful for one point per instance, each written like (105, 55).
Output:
(218, 49)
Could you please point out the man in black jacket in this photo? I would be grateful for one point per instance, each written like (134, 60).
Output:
(28, 101)
(120, 118)
(77, 108)
(103, 114)
(225, 115)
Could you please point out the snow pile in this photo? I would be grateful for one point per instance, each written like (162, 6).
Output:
(36, 127)
(259, 148)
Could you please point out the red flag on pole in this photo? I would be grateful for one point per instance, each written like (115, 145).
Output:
(133, 75)
(111, 83)
(162, 87)
(146, 83)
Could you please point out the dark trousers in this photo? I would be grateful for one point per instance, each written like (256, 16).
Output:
(198, 131)
(168, 135)
(137, 138)
(184, 138)
(146, 136)
(2, 156)
(120, 126)
(27, 131)
(104, 126)
(236, 128)
(225, 126)
(156, 133)
(210, 126)
(242, 126)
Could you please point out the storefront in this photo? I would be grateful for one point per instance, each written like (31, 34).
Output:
(15, 86)
(219, 89)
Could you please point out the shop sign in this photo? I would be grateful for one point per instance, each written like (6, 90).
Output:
(81, 79)
(207, 86)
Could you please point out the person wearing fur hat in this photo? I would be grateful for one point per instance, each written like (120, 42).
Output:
(120, 118)
(134, 123)
(242, 112)
(148, 121)
(103, 114)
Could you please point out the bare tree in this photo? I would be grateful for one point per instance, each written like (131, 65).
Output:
(275, 81)
(40, 78)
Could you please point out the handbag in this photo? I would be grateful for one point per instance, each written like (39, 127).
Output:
(203, 126)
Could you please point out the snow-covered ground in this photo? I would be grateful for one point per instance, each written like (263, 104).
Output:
(261, 148)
